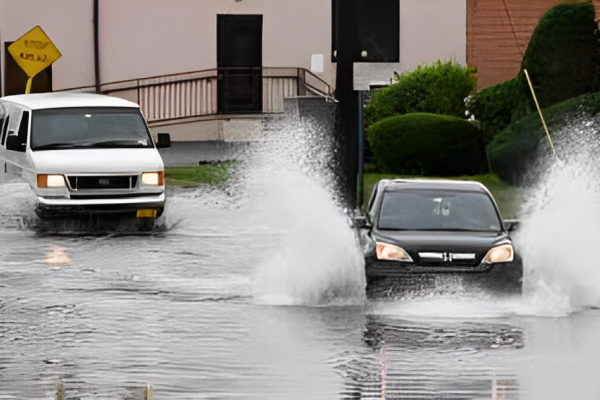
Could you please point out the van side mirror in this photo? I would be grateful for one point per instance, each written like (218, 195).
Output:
(163, 140)
(15, 143)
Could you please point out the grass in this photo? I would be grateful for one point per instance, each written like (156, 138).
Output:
(507, 197)
(215, 174)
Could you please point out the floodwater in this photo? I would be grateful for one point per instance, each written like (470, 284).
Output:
(256, 291)
(214, 306)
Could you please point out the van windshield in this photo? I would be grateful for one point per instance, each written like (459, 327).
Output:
(70, 128)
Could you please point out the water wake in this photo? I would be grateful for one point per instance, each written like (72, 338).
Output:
(560, 230)
(313, 257)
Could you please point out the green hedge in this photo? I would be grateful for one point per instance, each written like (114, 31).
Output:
(563, 62)
(439, 88)
(563, 55)
(495, 107)
(518, 149)
(427, 144)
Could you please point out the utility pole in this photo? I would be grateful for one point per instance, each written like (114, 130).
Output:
(364, 31)
(347, 109)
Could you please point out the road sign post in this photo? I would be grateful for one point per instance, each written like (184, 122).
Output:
(34, 52)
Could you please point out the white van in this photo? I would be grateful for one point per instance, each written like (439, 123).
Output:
(82, 153)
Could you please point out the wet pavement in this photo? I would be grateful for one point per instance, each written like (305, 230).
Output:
(257, 291)
(210, 306)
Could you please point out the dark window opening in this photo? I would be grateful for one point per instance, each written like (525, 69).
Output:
(239, 62)
(5, 129)
(376, 28)
(18, 142)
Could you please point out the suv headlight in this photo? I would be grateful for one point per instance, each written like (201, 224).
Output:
(153, 178)
(386, 251)
(498, 254)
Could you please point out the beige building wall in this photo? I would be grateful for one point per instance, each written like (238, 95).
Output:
(68, 23)
(147, 38)
(144, 38)
(432, 30)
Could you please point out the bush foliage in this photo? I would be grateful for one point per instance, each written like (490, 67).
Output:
(563, 55)
(563, 62)
(439, 88)
(427, 144)
(521, 146)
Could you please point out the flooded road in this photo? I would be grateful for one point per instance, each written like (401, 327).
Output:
(208, 306)
(257, 291)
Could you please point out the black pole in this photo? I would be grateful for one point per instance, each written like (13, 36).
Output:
(361, 152)
(96, 48)
(347, 97)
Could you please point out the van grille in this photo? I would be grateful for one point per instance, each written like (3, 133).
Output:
(102, 182)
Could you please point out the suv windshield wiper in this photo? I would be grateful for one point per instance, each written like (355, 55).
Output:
(440, 230)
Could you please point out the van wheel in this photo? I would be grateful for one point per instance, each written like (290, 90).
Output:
(145, 224)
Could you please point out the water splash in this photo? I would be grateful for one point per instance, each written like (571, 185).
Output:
(560, 230)
(313, 257)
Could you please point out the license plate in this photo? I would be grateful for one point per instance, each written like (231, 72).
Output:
(146, 213)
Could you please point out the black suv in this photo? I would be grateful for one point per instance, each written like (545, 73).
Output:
(436, 229)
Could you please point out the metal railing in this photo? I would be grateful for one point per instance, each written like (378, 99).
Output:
(194, 94)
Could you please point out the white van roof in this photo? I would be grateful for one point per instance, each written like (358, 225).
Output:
(39, 101)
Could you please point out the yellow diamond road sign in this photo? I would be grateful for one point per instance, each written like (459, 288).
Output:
(34, 51)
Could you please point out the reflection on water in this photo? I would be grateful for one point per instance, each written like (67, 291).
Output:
(440, 359)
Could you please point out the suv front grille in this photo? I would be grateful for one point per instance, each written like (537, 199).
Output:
(448, 259)
(102, 182)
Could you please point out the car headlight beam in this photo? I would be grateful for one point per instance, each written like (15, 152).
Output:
(386, 251)
(498, 254)
(153, 178)
(50, 181)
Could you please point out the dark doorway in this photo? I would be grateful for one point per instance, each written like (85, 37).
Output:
(15, 79)
(239, 63)
(375, 27)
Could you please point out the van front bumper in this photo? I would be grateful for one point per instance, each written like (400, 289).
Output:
(56, 208)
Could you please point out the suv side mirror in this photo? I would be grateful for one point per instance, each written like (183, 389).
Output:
(163, 140)
(511, 224)
(361, 222)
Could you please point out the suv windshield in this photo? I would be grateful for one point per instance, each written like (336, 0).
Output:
(438, 210)
(68, 128)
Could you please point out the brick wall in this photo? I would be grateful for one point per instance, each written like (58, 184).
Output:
(498, 32)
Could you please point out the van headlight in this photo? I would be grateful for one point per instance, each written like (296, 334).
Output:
(498, 254)
(386, 251)
(50, 181)
(153, 178)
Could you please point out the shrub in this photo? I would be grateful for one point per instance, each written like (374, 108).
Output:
(519, 148)
(563, 55)
(439, 88)
(427, 144)
(495, 107)
(563, 62)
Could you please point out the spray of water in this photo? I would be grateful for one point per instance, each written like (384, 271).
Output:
(313, 257)
(560, 233)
